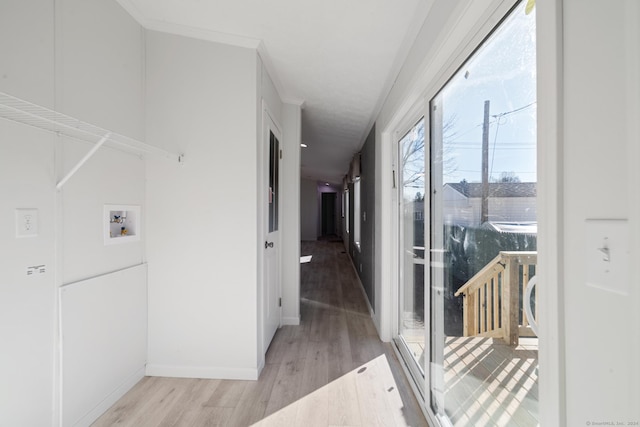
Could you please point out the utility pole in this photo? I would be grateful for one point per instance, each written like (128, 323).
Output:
(484, 212)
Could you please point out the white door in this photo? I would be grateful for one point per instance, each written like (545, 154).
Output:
(271, 292)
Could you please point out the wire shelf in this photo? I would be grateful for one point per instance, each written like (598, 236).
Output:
(27, 113)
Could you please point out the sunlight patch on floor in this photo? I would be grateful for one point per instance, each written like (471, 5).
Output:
(365, 396)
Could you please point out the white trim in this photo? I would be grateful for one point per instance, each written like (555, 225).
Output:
(201, 34)
(130, 7)
(388, 223)
(266, 110)
(112, 398)
(633, 128)
(206, 372)
(364, 293)
(269, 123)
(416, 392)
(290, 321)
(470, 24)
(420, 111)
(261, 365)
(285, 97)
(186, 30)
(135, 224)
(215, 37)
(551, 355)
(294, 101)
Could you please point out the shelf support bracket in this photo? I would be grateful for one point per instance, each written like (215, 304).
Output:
(83, 161)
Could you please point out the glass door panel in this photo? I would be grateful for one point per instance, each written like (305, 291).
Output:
(483, 232)
(412, 249)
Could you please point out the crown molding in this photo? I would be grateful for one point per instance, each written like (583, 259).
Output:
(216, 37)
(202, 34)
(187, 30)
(294, 101)
(271, 70)
(133, 10)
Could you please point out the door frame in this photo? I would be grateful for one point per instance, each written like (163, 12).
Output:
(418, 112)
(476, 20)
(269, 123)
(333, 213)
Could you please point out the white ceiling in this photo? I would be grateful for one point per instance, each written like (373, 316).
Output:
(337, 57)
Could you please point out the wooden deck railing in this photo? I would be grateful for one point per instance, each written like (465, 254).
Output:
(493, 298)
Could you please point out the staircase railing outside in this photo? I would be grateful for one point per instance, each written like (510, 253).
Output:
(493, 298)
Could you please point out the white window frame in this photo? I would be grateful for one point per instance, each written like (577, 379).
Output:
(357, 212)
(346, 211)
(475, 20)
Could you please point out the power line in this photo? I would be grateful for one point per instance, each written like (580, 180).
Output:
(497, 116)
(501, 144)
(513, 111)
(478, 171)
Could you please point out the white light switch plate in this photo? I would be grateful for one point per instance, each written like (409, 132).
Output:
(26, 222)
(607, 255)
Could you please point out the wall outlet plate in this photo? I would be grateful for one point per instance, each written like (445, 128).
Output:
(26, 222)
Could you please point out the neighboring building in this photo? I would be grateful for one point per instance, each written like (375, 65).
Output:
(509, 202)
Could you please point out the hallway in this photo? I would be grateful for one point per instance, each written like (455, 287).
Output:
(331, 370)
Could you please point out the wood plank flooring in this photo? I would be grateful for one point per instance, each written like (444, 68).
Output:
(331, 370)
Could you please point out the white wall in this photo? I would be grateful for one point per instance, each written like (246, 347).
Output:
(104, 338)
(202, 228)
(99, 79)
(63, 55)
(100, 63)
(110, 177)
(27, 50)
(27, 177)
(308, 210)
(601, 55)
(202, 101)
(27, 303)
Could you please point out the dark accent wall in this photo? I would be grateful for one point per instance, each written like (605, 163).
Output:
(363, 259)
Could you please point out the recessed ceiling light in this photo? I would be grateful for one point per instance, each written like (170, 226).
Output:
(326, 183)
(303, 145)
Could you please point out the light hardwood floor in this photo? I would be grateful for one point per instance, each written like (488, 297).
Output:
(332, 370)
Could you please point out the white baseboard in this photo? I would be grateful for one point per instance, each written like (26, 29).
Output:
(112, 398)
(290, 321)
(364, 293)
(207, 372)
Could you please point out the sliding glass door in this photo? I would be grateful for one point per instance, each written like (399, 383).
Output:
(467, 233)
(483, 232)
(411, 296)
